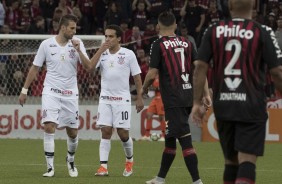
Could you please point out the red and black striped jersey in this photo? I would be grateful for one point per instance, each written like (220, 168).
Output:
(173, 56)
(241, 51)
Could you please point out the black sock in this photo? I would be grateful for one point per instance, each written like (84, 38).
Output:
(230, 173)
(246, 173)
(168, 156)
(190, 157)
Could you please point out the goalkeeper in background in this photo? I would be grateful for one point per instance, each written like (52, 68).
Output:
(156, 107)
(60, 92)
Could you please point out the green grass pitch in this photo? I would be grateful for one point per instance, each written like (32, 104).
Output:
(23, 162)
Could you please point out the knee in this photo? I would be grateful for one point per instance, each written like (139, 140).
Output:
(245, 157)
(49, 127)
(123, 135)
(72, 133)
(106, 132)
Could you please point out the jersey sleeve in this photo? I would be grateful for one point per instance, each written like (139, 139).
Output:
(134, 66)
(155, 55)
(271, 52)
(40, 56)
(83, 50)
(205, 50)
(99, 61)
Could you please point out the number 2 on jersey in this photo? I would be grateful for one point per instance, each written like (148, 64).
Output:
(228, 47)
(229, 70)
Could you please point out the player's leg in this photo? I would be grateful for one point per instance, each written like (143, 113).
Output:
(104, 120)
(69, 119)
(127, 144)
(149, 120)
(122, 118)
(185, 140)
(49, 147)
(161, 114)
(72, 143)
(226, 132)
(249, 142)
(169, 150)
(167, 159)
(50, 115)
(148, 127)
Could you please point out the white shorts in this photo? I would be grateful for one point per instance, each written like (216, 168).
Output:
(63, 112)
(113, 115)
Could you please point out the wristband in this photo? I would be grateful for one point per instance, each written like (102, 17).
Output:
(24, 91)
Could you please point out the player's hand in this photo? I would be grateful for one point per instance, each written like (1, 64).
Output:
(197, 114)
(207, 102)
(106, 45)
(144, 91)
(76, 44)
(22, 99)
(139, 104)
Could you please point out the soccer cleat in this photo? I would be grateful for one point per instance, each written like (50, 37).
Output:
(50, 173)
(72, 169)
(145, 138)
(128, 169)
(102, 171)
(155, 181)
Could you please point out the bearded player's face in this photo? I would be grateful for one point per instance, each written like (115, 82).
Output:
(69, 30)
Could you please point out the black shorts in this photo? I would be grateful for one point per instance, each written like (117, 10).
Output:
(177, 121)
(242, 137)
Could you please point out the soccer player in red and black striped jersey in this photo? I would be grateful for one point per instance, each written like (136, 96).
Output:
(241, 50)
(172, 58)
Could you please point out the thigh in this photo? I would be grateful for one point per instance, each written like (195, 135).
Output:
(226, 132)
(51, 107)
(160, 107)
(177, 121)
(121, 116)
(105, 115)
(152, 107)
(250, 137)
(69, 115)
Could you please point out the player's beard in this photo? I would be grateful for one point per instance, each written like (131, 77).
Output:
(68, 37)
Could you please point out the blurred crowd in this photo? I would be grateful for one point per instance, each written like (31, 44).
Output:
(137, 18)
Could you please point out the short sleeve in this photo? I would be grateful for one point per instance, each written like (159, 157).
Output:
(83, 50)
(205, 50)
(155, 55)
(134, 66)
(40, 56)
(271, 52)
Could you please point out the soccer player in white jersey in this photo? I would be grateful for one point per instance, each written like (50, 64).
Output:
(60, 93)
(116, 64)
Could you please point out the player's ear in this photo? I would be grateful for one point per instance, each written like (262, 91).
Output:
(175, 27)
(158, 26)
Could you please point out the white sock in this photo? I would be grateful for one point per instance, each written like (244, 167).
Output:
(104, 151)
(49, 149)
(128, 149)
(72, 146)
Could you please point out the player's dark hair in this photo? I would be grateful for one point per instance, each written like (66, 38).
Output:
(166, 18)
(66, 19)
(116, 28)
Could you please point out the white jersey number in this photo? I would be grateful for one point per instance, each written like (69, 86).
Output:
(228, 47)
(229, 70)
